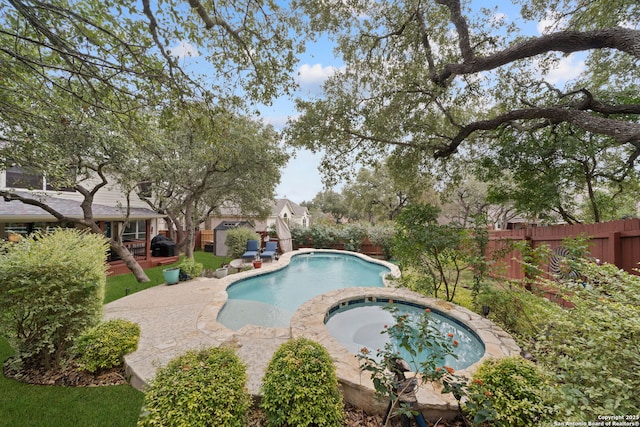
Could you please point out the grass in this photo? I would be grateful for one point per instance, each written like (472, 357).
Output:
(55, 406)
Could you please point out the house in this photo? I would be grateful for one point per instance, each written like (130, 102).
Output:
(109, 211)
(292, 214)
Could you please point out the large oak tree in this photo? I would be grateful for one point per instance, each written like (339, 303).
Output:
(433, 78)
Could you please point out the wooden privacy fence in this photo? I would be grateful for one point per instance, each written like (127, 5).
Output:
(615, 242)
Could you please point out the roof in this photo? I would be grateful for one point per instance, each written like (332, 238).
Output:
(296, 208)
(16, 211)
(229, 210)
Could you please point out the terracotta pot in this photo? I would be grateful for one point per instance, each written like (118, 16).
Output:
(257, 264)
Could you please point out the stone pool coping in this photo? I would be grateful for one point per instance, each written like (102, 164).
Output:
(175, 319)
(308, 321)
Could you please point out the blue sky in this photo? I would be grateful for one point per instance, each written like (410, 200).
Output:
(301, 179)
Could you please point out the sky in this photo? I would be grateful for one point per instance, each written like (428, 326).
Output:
(301, 180)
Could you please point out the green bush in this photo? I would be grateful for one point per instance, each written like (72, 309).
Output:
(104, 346)
(190, 267)
(592, 348)
(199, 388)
(237, 239)
(51, 290)
(509, 392)
(300, 387)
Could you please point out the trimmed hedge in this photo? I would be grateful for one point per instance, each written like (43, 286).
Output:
(300, 387)
(104, 346)
(199, 388)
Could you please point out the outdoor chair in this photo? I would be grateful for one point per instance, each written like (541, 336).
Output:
(269, 250)
(253, 248)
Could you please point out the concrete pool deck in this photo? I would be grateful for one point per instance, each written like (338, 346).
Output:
(175, 319)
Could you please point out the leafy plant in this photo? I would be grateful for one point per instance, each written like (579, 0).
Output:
(237, 239)
(105, 345)
(199, 388)
(509, 392)
(433, 250)
(300, 387)
(533, 258)
(52, 287)
(190, 267)
(425, 347)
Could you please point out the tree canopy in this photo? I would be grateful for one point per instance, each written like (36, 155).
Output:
(437, 78)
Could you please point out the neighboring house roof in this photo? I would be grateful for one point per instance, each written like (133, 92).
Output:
(296, 208)
(16, 211)
(228, 210)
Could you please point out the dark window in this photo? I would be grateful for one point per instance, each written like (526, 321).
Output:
(18, 177)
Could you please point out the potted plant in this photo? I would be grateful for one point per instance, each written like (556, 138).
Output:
(171, 275)
(257, 262)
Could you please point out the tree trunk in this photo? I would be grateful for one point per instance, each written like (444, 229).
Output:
(129, 261)
(188, 226)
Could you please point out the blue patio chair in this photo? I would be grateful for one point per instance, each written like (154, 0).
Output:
(253, 248)
(269, 250)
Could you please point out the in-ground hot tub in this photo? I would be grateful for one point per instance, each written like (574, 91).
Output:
(357, 387)
(359, 323)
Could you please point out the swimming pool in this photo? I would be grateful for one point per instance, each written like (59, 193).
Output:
(271, 299)
(358, 323)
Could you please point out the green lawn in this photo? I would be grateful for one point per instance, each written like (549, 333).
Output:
(52, 406)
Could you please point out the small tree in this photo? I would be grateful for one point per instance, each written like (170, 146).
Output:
(52, 288)
(435, 251)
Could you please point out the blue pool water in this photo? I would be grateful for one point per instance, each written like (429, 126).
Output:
(359, 324)
(271, 299)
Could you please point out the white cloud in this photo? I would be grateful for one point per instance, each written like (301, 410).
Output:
(567, 68)
(182, 50)
(314, 75)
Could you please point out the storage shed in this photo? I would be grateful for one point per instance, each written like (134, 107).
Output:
(220, 235)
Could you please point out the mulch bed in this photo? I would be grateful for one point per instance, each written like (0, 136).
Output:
(71, 376)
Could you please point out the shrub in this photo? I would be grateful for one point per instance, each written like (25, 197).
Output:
(509, 392)
(237, 239)
(104, 346)
(190, 267)
(52, 291)
(300, 387)
(592, 348)
(199, 388)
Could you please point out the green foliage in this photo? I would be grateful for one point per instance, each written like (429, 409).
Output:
(590, 350)
(435, 251)
(382, 234)
(509, 392)
(190, 267)
(199, 388)
(300, 387)
(52, 287)
(592, 347)
(532, 259)
(517, 311)
(237, 239)
(105, 345)
(352, 236)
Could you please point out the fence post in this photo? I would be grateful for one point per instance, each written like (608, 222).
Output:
(615, 249)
